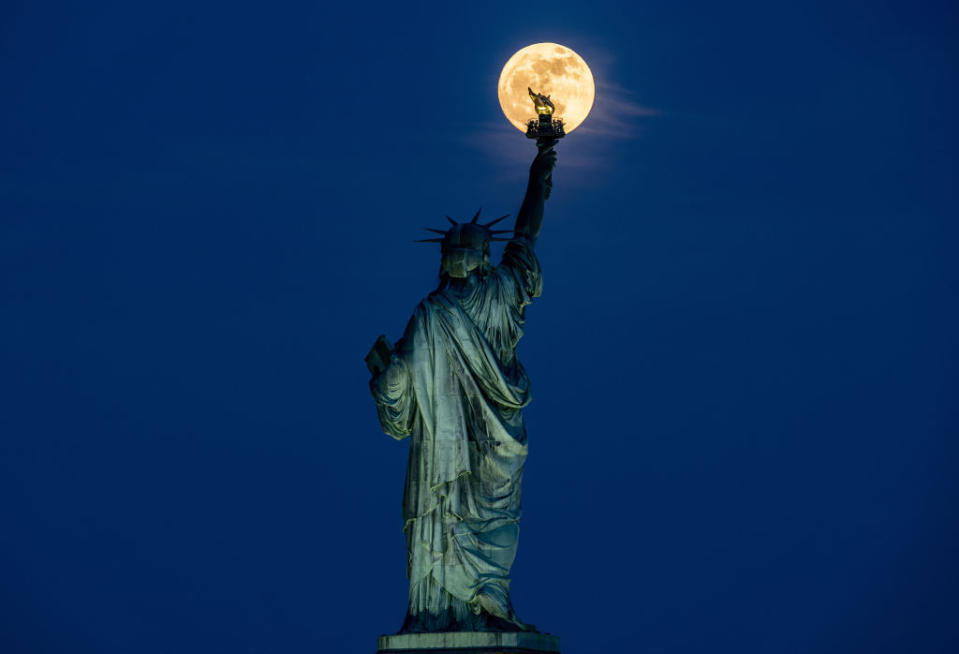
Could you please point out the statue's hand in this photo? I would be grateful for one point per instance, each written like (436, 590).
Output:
(393, 381)
(380, 355)
(542, 167)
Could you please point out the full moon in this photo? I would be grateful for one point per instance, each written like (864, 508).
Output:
(550, 69)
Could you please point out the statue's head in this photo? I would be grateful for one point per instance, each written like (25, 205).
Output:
(465, 246)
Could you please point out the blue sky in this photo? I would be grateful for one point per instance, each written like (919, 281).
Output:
(744, 362)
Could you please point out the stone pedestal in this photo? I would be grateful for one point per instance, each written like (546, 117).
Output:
(470, 642)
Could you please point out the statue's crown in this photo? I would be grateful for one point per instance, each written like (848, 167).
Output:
(471, 235)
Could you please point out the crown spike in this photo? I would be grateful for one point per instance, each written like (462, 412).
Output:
(476, 217)
(500, 231)
(490, 224)
(435, 231)
(452, 222)
(429, 240)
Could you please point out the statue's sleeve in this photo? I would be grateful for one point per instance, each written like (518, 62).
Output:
(395, 401)
(521, 267)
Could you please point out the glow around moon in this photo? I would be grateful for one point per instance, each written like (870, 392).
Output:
(553, 70)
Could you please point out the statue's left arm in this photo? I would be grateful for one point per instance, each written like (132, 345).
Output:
(391, 387)
(395, 404)
(529, 220)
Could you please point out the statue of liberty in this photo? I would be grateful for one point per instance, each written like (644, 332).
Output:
(453, 384)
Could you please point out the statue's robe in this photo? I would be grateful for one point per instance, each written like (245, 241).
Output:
(459, 393)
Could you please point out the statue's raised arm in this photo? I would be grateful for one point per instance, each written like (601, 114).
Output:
(529, 220)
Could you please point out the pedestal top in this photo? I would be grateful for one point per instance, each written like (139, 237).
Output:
(468, 642)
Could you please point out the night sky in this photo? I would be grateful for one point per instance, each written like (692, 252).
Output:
(745, 361)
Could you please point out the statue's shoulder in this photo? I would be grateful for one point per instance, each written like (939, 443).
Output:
(519, 253)
(520, 267)
(519, 250)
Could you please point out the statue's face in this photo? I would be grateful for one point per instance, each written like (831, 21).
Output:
(465, 248)
(458, 263)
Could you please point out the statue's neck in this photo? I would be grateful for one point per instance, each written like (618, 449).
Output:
(463, 284)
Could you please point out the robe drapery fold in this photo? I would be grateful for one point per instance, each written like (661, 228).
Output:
(458, 391)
